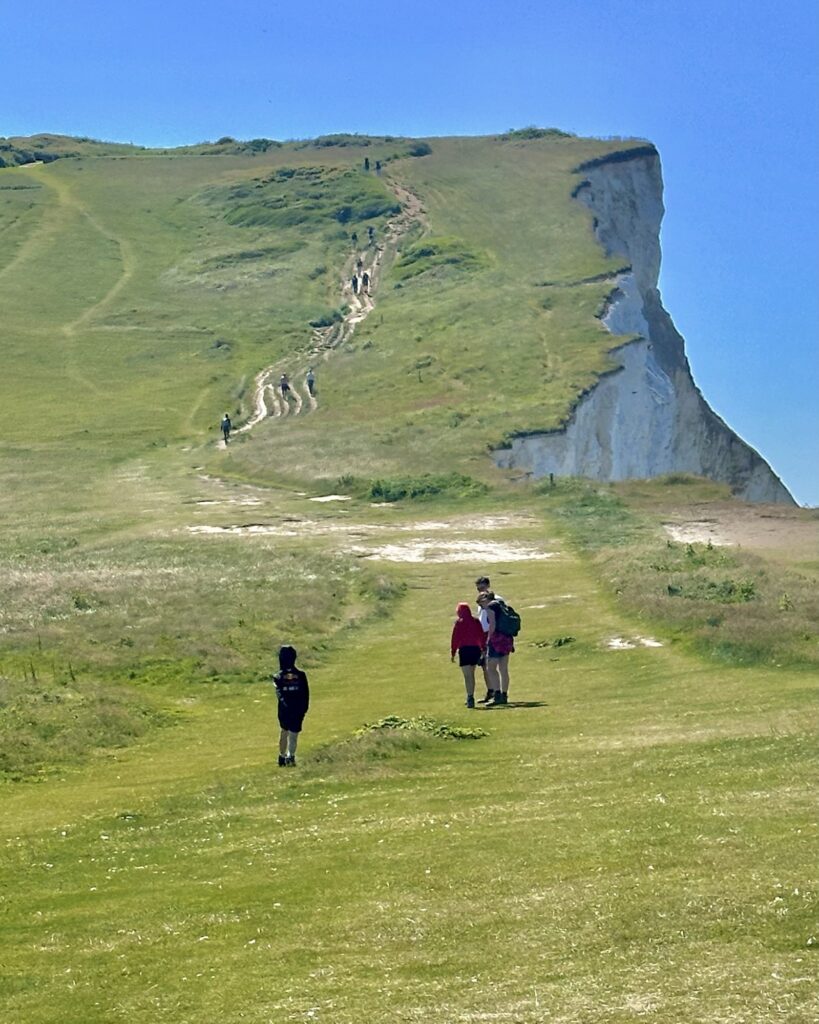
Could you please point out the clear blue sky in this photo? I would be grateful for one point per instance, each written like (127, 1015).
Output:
(727, 91)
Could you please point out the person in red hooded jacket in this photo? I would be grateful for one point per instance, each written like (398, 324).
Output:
(468, 639)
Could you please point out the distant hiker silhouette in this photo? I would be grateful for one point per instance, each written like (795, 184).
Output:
(226, 426)
(354, 283)
(359, 263)
(354, 238)
(365, 282)
(310, 380)
(370, 233)
(377, 166)
(284, 386)
(366, 163)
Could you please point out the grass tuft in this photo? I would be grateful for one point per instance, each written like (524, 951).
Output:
(423, 724)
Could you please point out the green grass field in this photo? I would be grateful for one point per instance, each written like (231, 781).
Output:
(633, 837)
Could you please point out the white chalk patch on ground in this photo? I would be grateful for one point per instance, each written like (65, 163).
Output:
(453, 551)
(256, 529)
(207, 501)
(696, 533)
(619, 643)
(551, 600)
(332, 497)
(470, 523)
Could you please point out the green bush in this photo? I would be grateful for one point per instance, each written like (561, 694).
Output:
(326, 319)
(532, 132)
(428, 485)
(394, 723)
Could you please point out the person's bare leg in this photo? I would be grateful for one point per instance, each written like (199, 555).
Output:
(503, 673)
(469, 679)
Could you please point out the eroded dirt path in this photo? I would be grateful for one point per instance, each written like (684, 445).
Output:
(773, 530)
(266, 398)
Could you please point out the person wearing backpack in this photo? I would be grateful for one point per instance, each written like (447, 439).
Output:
(499, 645)
(467, 641)
(482, 584)
(293, 695)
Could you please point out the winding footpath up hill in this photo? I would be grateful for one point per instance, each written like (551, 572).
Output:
(267, 400)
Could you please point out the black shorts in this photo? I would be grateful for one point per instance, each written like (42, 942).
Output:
(290, 720)
(469, 656)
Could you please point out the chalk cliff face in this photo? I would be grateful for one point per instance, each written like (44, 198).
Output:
(647, 417)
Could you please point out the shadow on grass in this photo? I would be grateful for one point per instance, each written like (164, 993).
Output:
(517, 704)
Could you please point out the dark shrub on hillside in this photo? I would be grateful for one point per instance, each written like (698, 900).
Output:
(427, 485)
(532, 132)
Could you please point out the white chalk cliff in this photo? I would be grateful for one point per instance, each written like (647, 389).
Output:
(647, 417)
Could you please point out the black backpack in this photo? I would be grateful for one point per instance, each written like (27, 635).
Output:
(507, 620)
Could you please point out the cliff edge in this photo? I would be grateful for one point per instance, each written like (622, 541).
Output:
(647, 417)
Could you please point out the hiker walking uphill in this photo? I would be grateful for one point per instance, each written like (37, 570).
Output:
(293, 693)
(468, 643)
(226, 426)
(310, 381)
(284, 386)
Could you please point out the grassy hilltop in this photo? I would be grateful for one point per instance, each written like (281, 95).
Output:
(146, 288)
(632, 837)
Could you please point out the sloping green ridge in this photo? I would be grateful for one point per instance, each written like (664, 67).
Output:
(143, 290)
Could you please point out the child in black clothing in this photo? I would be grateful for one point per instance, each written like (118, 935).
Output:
(294, 699)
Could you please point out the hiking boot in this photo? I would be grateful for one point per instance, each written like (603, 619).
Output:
(282, 760)
(290, 761)
(488, 698)
(501, 698)
(470, 702)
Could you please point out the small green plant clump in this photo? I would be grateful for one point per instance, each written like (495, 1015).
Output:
(559, 641)
(415, 488)
(532, 132)
(326, 319)
(373, 745)
(427, 485)
(423, 724)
